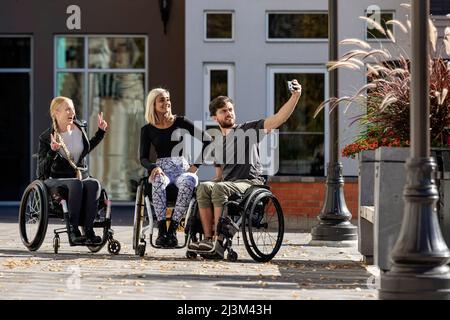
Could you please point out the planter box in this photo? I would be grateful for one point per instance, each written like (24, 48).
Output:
(390, 178)
(366, 181)
(389, 182)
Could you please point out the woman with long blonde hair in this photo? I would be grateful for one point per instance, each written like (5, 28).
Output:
(170, 167)
(62, 163)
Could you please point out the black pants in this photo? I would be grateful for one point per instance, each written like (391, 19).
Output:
(82, 195)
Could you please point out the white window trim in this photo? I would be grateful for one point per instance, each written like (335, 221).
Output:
(273, 69)
(305, 40)
(31, 104)
(207, 67)
(383, 40)
(86, 70)
(205, 14)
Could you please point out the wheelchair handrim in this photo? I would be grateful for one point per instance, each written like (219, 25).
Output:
(33, 217)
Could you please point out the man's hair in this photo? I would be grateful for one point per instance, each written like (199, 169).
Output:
(217, 103)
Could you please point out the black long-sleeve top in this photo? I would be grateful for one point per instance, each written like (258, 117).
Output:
(52, 164)
(161, 140)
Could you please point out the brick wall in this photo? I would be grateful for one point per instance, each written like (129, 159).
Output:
(302, 201)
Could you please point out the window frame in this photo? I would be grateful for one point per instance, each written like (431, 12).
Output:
(205, 25)
(85, 71)
(383, 40)
(314, 69)
(207, 67)
(31, 104)
(304, 40)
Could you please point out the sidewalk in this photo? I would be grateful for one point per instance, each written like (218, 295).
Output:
(297, 272)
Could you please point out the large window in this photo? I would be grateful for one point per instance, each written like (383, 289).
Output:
(302, 139)
(218, 81)
(219, 26)
(296, 26)
(15, 133)
(107, 74)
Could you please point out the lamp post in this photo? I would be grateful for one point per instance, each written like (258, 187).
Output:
(419, 256)
(334, 228)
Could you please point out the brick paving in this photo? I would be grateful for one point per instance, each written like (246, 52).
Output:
(298, 271)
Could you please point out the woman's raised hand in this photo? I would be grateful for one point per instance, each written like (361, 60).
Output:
(53, 143)
(154, 172)
(102, 124)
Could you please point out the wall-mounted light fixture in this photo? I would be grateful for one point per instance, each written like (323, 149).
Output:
(164, 7)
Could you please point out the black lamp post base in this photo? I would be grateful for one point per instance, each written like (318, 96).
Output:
(343, 233)
(430, 284)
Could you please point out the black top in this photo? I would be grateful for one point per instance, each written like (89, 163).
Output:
(161, 139)
(53, 164)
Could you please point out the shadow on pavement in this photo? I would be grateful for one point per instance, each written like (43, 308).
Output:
(299, 274)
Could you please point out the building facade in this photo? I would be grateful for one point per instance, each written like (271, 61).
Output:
(103, 54)
(109, 56)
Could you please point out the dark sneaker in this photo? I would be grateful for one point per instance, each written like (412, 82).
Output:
(194, 245)
(75, 236)
(161, 240)
(91, 238)
(206, 245)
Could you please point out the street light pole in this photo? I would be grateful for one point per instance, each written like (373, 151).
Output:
(334, 228)
(420, 255)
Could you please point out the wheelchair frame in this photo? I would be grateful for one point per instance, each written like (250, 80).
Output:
(238, 213)
(50, 203)
(142, 206)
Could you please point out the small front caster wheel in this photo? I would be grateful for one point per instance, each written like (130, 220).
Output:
(232, 256)
(114, 247)
(191, 255)
(140, 251)
(56, 244)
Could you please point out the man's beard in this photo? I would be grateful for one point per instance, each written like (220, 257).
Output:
(226, 124)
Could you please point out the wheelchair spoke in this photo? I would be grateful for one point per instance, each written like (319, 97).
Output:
(265, 228)
(32, 213)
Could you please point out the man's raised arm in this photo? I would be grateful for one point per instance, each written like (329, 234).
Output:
(276, 120)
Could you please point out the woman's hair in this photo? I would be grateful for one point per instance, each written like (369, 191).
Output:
(150, 112)
(54, 105)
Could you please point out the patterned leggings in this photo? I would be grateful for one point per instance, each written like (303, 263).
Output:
(174, 172)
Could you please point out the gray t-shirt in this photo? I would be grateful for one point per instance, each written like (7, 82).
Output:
(240, 157)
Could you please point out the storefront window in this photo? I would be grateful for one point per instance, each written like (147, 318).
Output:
(110, 78)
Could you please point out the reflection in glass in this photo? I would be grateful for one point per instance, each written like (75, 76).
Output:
(120, 96)
(69, 52)
(15, 52)
(115, 53)
(302, 136)
(301, 154)
(313, 91)
(373, 33)
(219, 26)
(219, 83)
(298, 25)
(71, 85)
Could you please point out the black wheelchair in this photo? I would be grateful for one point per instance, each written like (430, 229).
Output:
(39, 203)
(145, 216)
(257, 213)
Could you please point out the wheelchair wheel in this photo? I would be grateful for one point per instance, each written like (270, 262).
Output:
(139, 216)
(33, 215)
(114, 247)
(263, 227)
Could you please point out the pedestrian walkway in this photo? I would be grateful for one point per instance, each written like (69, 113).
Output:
(298, 271)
